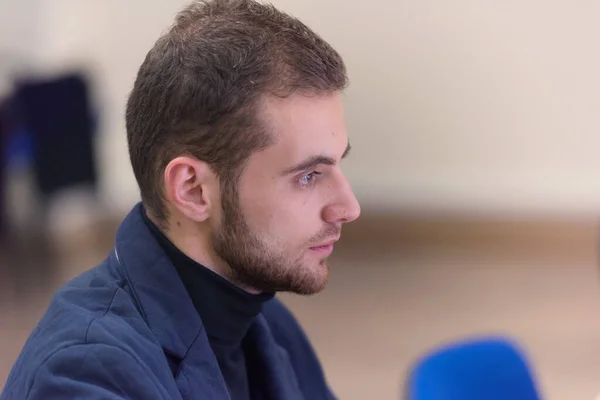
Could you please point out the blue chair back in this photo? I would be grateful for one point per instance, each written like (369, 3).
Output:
(479, 369)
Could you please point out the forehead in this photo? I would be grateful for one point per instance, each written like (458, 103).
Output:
(305, 125)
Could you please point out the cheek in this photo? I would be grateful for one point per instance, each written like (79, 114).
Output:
(293, 225)
(280, 223)
(279, 214)
(262, 215)
(257, 199)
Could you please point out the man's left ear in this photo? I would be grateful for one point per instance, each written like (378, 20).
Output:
(190, 187)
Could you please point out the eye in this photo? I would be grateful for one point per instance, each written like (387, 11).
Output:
(308, 179)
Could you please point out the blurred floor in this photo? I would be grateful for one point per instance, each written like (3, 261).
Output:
(398, 288)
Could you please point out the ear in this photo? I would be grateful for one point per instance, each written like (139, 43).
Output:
(190, 187)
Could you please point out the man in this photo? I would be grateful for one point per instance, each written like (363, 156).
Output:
(236, 133)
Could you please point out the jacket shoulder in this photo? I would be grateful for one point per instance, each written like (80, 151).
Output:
(91, 371)
(91, 320)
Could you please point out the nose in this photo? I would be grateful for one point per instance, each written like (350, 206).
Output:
(345, 208)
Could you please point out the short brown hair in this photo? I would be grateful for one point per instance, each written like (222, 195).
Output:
(196, 91)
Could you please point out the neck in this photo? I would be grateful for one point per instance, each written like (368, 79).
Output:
(195, 241)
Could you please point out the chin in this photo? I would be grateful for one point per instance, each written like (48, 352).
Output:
(305, 277)
(313, 281)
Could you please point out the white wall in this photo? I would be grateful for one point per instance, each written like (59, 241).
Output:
(482, 105)
(17, 36)
(463, 105)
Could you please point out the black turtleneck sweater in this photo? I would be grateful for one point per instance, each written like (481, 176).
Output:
(225, 309)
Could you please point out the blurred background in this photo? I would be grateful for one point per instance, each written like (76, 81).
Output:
(475, 132)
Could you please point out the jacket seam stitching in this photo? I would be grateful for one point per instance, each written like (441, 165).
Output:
(110, 303)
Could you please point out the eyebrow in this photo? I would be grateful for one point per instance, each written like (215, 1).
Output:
(313, 161)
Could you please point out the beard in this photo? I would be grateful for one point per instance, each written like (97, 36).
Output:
(261, 264)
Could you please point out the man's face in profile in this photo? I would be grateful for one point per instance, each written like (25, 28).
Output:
(292, 198)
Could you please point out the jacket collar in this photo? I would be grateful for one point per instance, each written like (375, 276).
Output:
(171, 316)
(162, 299)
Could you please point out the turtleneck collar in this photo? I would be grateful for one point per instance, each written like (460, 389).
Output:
(226, 310)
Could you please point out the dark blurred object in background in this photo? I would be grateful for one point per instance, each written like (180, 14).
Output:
(57, 114)
(47, 149)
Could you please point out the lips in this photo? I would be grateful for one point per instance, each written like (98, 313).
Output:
(325, 246)
(328, 244)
